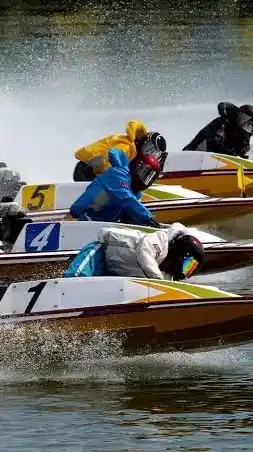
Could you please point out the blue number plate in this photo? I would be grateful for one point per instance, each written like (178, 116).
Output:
(42, 237)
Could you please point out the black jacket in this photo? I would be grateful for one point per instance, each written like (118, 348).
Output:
(222, 134)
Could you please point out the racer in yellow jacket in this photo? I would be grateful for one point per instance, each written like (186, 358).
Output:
(93, 159)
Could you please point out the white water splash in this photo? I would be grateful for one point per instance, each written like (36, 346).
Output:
(43, 352)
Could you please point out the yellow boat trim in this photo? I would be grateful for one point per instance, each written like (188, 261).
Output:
(166, 292)
(175, 290)
(233, 162)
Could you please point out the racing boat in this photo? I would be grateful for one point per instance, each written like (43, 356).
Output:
(207, 172)
(204, 172)
(145, 315)
(168, 203)
(46, 249)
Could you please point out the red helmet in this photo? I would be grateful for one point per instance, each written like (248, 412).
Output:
(145, 169)
(155, 144)
(149, 160)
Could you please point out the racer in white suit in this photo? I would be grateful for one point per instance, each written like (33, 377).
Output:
(134, 253)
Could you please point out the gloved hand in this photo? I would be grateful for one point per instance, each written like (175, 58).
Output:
(83, 172)
(243, 154)
(153, 223)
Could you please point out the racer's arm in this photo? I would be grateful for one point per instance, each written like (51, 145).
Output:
(244, 148)
(84, 201)
(148, 251)
(208, 132)
(118, 184)
(130, 204)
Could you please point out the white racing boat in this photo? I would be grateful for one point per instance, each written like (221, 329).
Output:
(46, 249)
(209, 173)
(168, 203)
(146, 315)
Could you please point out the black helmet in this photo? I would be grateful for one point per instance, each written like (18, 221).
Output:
(228, 111)
(186, 255)
(155, 144)
(245, 119)
(145, 169)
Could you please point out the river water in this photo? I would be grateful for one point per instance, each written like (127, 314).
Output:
(70, 73)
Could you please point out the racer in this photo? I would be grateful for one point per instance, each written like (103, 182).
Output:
(93, 159)
(229, 133)
(134, 253)
(115, 194)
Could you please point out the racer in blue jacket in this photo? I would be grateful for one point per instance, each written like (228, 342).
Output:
(114, 195)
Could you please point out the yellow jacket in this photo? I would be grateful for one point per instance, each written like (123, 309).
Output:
(96, 154)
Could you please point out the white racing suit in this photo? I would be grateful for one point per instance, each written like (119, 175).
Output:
(134, 253)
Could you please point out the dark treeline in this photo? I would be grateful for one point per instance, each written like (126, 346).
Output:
(244, 7)
(78, 17)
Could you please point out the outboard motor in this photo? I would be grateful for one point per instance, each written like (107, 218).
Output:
(10, 182)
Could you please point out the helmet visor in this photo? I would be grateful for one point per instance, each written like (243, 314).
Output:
(155, 143)
(146, 175)
(149, 148)
(189, 266)
(145, 169)
(245, 123)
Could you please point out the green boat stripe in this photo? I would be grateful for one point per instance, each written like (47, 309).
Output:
(161, 194)
(196, 290)
(248, 164)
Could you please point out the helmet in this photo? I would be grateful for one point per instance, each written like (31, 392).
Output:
(186, 255)
(245, 119)
(144, 169)
(228, 112)
(155, 144)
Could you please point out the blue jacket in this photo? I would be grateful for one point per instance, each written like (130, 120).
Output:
(109, 196)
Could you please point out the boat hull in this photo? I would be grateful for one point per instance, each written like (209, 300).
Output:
(73, 235)
(201, 211)
(206, 172)
(144, 315)
(191, 212)
(181, 328)
(211, 182)
(169, 203)
(27, 266)
(143, 328)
